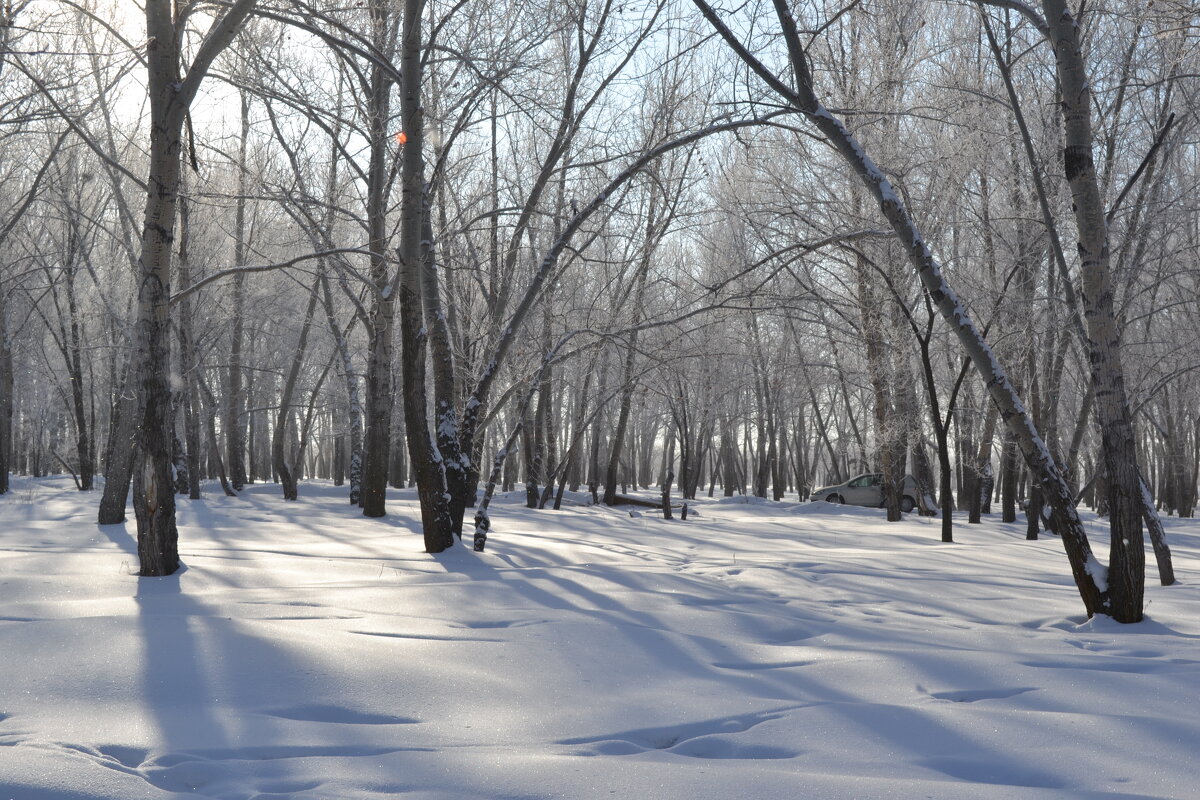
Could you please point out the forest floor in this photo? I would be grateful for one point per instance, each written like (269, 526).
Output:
(758, 650)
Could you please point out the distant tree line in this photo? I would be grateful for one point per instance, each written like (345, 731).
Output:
(587, 246)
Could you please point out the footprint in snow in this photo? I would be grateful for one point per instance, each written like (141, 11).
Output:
(131, 757)
(757, 665)
(713, 738)
(500, 623)
(975, 695)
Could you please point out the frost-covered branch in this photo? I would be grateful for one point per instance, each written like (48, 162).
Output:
(504, 344)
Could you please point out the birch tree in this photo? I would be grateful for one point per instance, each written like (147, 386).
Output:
(1098, 595)
(171, 90)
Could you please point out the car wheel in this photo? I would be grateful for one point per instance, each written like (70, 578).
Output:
(907, 504)
(834, 498)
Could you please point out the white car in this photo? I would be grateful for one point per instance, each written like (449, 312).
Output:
(867, 490)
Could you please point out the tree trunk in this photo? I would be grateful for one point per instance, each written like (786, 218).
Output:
(627, 382)
(529, 456)
(287, 478)
(398, 471)
(981, 501)
(254, 427)
(118, 452)
(483, 521)
(214, 443)
(338, 468)
(6, 398)
(618, 437)
(189, 361)
(170, 96)
(73, 356)
(666, 495)
(886, 428)
(1126, 570)
(445, 391)
(352, 440)
(153, 485)
(379, 349)
(1008, 479)
(1158, 538)
(235, 408)
(437, 521)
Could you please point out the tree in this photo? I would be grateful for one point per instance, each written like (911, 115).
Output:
(171, 92)
(16, 112)
(1097, 594)
(1126, 502)
(416, 258)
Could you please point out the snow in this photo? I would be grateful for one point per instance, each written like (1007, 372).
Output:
(760, 650)
(1098, 571)
(448, 425)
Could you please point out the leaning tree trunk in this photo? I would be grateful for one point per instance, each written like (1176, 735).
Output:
(1086, 570)
(483, 521)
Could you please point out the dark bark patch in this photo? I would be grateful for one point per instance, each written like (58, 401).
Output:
(1077, 162)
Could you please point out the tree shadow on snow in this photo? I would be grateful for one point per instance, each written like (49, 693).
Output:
(175, 679)
(120, 536)
(203, 678)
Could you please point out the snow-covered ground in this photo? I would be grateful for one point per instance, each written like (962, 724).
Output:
(758, 650)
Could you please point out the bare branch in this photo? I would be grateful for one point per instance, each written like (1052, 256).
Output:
(218, 38)
(225, 273)
(1024, 9)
